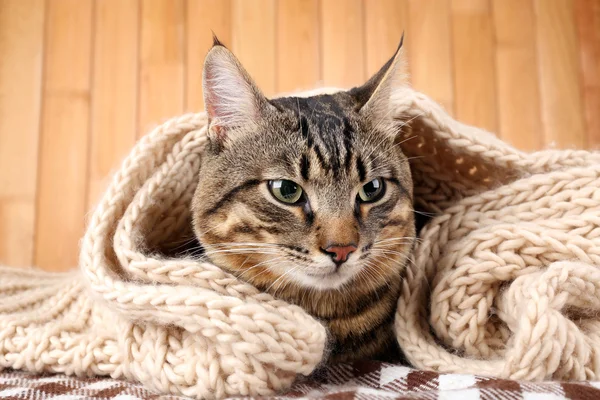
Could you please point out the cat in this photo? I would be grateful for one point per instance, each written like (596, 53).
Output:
(309, 199)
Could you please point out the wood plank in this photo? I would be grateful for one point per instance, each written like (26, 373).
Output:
(343, 43)
(516, 63)
(202, 18)
(474, 65)
(162, 63)
(385, 21)
(62, 183)
(559, 68)
(21, 47)
(298, 64)
(429, 45)
(587, 15)
(114, 105)
(253, 39)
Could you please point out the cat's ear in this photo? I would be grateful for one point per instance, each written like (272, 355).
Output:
(231, 97)
(374, 97)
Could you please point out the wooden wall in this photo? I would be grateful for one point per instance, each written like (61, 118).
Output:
(82, 80)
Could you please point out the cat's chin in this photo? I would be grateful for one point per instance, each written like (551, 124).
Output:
(326, 281)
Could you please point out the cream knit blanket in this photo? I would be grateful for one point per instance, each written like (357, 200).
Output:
(505, 278)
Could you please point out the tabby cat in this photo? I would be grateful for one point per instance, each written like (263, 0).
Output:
(309, 199)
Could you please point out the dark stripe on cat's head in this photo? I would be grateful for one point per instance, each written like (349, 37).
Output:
(229, 196)
(304, 126)
(360, 167)
(308, 214)
(304, 167)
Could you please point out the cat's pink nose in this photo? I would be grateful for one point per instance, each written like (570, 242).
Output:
(340, 253)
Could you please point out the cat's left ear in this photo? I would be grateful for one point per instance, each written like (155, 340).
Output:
(374, 97)
(232, 99)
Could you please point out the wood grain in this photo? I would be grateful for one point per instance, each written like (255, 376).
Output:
(343, 43)
(516, 63)
(297, 45)
(587, 14)
(114, 103)
(80, 80)
(254, 41)
(63, 159)
(162, 63)
(474, 63)
(559, 69)
(203, 17)
(21, 46)
(429, 50)
(385, 21)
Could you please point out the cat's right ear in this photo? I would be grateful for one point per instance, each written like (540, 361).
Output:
(374, 97)
(231, 97)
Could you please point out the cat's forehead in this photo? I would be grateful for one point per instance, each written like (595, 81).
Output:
(331, 110)
(328, 129)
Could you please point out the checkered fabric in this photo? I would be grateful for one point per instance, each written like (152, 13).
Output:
(362, 380)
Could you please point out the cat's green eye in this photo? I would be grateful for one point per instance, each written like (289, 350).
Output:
(371, 191)
(286, 191)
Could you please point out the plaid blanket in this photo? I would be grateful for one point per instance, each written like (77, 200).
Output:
(363, 380)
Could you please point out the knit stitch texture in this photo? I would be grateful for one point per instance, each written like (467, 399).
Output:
(504, 282)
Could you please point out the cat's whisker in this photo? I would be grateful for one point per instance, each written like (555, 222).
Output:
(387, 250)
(383, 120)
(370, 274)
(425, 213)
(260, 264)
(385, 253)
(389, 256)
(254, 250)
(241, 251)
(401, 262)
(378, 273)
(211, 229)
(244, 244)
(393, 244)
(406, 140)
(389, 149)
(414, 158)
(245, 261)
(184, 240)
(193, 248)
(285, 283)
(241, 248)
(392, 239)
(377, 147)
(362, 277)
(404, 123)
(281, 277)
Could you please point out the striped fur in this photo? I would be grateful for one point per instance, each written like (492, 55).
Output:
(330, 145)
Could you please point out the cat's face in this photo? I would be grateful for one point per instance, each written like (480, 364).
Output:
(313, 192)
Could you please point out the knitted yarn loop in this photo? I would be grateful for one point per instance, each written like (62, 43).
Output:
(505, 278)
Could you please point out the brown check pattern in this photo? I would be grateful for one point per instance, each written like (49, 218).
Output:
(361, 380)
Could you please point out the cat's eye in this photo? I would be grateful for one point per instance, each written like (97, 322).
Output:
(371, 191)
(286, 191)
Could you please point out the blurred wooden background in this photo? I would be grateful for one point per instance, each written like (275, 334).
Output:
(81, 80)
